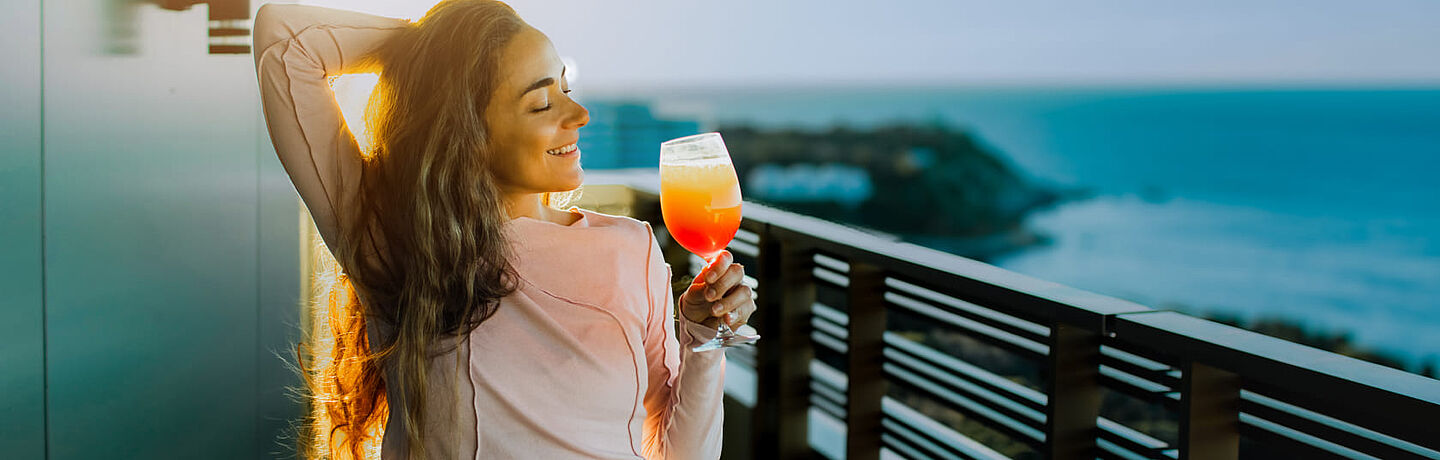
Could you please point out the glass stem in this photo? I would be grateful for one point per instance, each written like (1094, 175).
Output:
(724, 330)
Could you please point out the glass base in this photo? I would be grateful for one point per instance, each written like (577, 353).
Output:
(726, 338)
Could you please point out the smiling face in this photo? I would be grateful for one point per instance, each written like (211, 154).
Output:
(532, 122)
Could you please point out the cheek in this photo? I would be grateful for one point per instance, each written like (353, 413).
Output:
(511, 144)
(507, 161)
(519, 146)
(521, 157)
(539, 137)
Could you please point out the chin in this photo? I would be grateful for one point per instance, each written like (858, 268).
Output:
(573, 181)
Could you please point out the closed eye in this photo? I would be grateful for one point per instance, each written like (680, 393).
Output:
(547, 106)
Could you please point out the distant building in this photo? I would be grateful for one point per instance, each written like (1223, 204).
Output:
(840, 183)
(627, 135)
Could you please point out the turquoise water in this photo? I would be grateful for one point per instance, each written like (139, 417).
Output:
(1318, 205)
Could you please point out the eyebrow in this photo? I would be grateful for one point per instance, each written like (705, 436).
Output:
(541, 83)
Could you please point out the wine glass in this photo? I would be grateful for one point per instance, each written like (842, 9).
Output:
(700, 202)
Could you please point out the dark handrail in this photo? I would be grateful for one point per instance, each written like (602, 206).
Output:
(1225, 383)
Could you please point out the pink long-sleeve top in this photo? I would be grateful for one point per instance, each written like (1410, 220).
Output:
(585, 360)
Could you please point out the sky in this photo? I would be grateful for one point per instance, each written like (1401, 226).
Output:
(637, 43)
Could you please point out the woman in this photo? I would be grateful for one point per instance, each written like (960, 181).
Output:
(487, 322)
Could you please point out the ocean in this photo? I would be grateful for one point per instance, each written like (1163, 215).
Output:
(1321, 206)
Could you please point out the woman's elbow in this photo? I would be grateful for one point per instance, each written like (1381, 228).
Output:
(269, 26)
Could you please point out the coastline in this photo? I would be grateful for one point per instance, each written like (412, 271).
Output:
(1290, 276)
(940, 187)
(1313, 204)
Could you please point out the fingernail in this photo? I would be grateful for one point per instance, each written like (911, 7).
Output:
(716, 309)
(731, 317)
(710, 294)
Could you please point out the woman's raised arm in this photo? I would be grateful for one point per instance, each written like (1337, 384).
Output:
(296, 48)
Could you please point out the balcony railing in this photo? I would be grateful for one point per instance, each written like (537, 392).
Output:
(891, 347)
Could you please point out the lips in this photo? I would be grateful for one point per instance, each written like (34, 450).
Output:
(562, 151)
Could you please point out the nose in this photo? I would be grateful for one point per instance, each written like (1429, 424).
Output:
(578, 117)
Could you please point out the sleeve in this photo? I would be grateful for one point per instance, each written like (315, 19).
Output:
(684, 400)
(297, 48)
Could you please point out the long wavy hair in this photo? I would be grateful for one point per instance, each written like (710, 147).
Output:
(428, 195)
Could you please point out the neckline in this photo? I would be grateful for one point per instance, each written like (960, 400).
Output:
(581, 217)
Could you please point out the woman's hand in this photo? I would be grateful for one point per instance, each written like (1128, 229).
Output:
(719, 292)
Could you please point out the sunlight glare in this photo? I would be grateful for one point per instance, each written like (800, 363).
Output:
(352, 92)
(327, 299)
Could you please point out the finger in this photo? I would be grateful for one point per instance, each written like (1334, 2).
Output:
(744, 313)
(733, 276)
(741, 295)
(718, 266)
(740, 315)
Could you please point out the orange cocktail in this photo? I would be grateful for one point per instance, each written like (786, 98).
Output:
(700, 201)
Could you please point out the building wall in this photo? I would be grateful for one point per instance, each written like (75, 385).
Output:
(22, 361)
(627, 135)
(149, 201)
